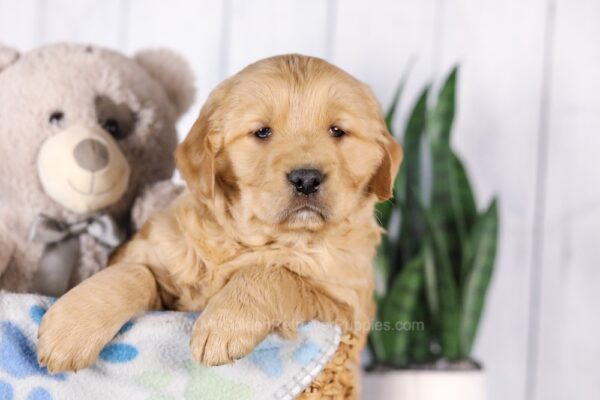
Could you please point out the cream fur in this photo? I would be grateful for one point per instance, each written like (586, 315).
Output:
(234, 243)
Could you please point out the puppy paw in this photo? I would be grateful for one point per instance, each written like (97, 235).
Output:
(69, 339)
(222, 337)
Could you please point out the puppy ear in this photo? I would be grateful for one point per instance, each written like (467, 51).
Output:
(195, 156)
(8, 56)
(382, 183)
(174, 74)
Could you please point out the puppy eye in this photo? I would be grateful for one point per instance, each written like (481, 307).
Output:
(263, 133)
(56, 117)
(336, 132)
(112, 126)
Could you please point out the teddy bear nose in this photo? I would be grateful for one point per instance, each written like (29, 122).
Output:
(91, 155)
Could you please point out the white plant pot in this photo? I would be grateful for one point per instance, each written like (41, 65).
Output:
(424, 385)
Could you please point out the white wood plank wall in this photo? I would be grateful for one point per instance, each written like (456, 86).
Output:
(528, 127)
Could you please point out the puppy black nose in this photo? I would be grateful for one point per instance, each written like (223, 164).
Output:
(306, 181)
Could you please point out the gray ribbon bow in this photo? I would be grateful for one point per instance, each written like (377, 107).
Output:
(61, 250)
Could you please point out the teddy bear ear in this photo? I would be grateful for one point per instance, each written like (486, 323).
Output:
(174, 74)
(8, 55)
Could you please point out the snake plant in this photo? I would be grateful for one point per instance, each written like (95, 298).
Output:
(437, 259)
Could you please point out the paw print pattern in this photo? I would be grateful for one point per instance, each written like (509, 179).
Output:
(6, 391)
(18, 359)
(119, 352)
(39, 393)
(266, 357)
(307, 352)
(205, 383)
(18, 356)
(36, 313)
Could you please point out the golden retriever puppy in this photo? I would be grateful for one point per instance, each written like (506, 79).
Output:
(276, 227)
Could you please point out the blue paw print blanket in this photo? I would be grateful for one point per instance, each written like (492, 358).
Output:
(149, 359)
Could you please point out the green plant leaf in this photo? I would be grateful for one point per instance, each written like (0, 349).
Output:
(383, 269)
(445, 203)
(400, 306)
(412, 221)
(483, 241)
(431, 284)
(465, 214)
(467, 201)
(452, 204)
(464, 190)
(411, 166)
(440, 266)
(408, 182)
(442, 115)
(449, 305)
(420, 336)
(383, 212)
(412, 138)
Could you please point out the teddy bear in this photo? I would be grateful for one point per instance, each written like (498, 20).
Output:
(86, 153)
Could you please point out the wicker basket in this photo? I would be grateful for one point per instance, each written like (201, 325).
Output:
(340, 378)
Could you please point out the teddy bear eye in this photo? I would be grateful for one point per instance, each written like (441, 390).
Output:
(56, 117)
(112, 126)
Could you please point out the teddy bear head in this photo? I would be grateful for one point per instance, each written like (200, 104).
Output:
(84, 128)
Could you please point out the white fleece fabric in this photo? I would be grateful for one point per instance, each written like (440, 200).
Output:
(149, 359)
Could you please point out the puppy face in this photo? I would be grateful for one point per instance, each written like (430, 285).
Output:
(294, 141)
